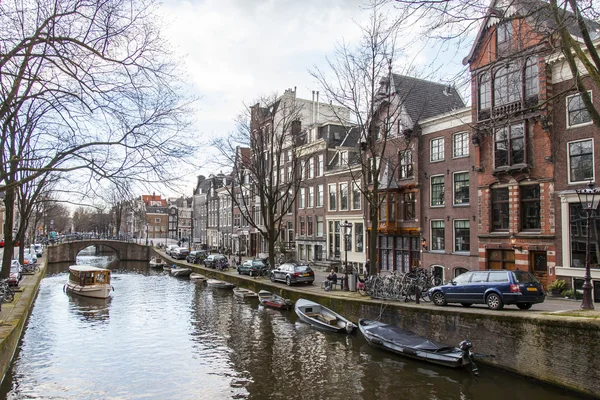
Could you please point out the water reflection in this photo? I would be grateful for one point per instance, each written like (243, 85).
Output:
(165, 338)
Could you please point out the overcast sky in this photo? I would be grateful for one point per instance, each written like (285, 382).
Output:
(237, 50)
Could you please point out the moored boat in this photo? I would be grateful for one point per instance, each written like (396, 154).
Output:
(180, 271)
(220, 284)
(157, 262)
(244, 293)
(197, 277)
(89, 281)
(409, 344)
(273, 300)
(322, 317)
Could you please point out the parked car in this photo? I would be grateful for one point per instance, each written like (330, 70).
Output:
(16, 273)
(251, 267)
(293, 273)
(492, 287)
(169, 248)
(29, 258)
(212, 260)
(180, 253)
(38, 248)
(1, 242)
(196, 256)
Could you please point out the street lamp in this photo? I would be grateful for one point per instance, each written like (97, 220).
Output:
(589, 199)
(347, 229)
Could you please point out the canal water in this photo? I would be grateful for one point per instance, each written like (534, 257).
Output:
(160, 337)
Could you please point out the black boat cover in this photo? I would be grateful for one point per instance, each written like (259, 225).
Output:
(404, 337)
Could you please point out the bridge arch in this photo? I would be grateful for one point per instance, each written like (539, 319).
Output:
(125, 251)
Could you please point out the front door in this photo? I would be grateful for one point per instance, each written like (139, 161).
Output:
(539, 265)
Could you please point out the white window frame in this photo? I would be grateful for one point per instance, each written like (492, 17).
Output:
(454, 203)
(431, 191)
(454, 235)
(310, 200)
(329, 197)
(356, 184)
(320, 196)
(321, 165)
(302, 199)
(590, 122)
(593, 178)
(344, 185)
(311, 168)
(439, 154)
(454, 137)
(443, 221)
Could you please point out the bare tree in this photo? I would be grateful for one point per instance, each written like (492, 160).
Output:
(261, 151)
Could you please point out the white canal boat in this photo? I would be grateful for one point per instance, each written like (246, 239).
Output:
(89, 281)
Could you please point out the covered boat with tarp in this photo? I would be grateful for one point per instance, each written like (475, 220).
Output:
(409, 344)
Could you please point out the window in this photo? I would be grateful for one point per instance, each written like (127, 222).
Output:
(485, 96)
(504, 33)
(462, 235)
(282, 175)
(461, 188)
(319, 220)
(507, 85)
(581, 160)
(309, 225)
(343, 196)
(460, 144)
(531, 81)
(302, 227)
(156, 220)
(355, 196)
(311, 196)
(437, 190)
(320, 170)
(358, 238)
(303, 170)
(500, 209)
(332, 197)
(319, 199)
(530, 207)
(289, 174)
(579, 235)
(406, 164)
(311, 168)
(437, 149)
(337, 239)
(302, 198)
(509, 147)
(577, 113)
(343, 158)
(438, 230)
(408, 206)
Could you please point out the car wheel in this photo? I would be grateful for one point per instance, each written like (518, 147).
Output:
(466, 304)
(250, 273)
(288, 281)
(494, 301)
(239, 272)
(524, 306)
(272, 277)
(439, 299)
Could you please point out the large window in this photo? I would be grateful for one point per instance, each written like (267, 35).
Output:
(319, 225)
(302, 227)
(310, 197)
(530, 207)
(309, 225)
(504, 32)
(358, 239)
(438, 232)
(407, 253)
(507, 85)
(581, 160)
(343, 196)
(332, 197)
(319, 199)
(437, 190)
(462, 235)
(577, 113)
(531, 81)
(356, 195)
(500, 209)
(302, 198)
(460, 144)
(461, 188)
(509, 146)
(311, 168)
(579, 234)
(437, 149)
(485, 96)
(406, 164)
(409, 206)
(319, 169)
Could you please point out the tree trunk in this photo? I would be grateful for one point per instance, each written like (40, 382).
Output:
(9, 204)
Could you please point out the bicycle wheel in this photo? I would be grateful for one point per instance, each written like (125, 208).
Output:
(8, 296)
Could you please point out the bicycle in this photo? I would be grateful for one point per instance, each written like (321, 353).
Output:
(7, 294)
(31, 268)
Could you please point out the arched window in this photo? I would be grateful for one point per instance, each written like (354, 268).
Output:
(531, 81)
(485, 89)
(437, 271)
(507, 85)
(459, 271)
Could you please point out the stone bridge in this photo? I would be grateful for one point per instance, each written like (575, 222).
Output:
(125, 251)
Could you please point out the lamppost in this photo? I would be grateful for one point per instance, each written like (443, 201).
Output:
(589, 199)
(347, 230)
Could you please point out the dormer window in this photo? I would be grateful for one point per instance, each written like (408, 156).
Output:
(504, 33)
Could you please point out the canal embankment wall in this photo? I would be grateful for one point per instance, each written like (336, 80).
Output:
(557, 350)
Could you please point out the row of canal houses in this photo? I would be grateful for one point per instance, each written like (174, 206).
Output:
(490, 185)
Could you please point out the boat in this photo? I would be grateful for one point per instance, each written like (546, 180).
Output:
(197, 277)
(89, 281)
(178, 271)
(157, 262)
(273, 300)
(244, 293)
(220, 284)
(322, 317)
(409, 344)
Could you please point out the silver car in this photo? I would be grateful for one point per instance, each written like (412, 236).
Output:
(293, 273)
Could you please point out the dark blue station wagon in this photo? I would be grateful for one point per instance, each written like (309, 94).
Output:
(492, 287)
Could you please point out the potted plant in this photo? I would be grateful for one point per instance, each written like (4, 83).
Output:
(557, 287)
(572, 294)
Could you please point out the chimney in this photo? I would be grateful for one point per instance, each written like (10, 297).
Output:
(312, 110)
(317, 117)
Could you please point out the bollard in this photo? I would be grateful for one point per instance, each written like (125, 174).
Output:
(417, 293)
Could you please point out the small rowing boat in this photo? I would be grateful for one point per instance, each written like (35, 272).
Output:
(197, 277)
(180, 272)
(157, 262)
(322, 317)
(220, 284)
(409, 344)
(273, 300)
(89, 281)
(244, 293)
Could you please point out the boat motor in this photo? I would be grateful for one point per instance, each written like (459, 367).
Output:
(466, 347)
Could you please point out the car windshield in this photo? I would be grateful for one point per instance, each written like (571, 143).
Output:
(524, 277)
(463, 278)
(258, 263)
(302, 268)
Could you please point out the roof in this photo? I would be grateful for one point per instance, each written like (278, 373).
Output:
(86, 268)
(424, 99)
